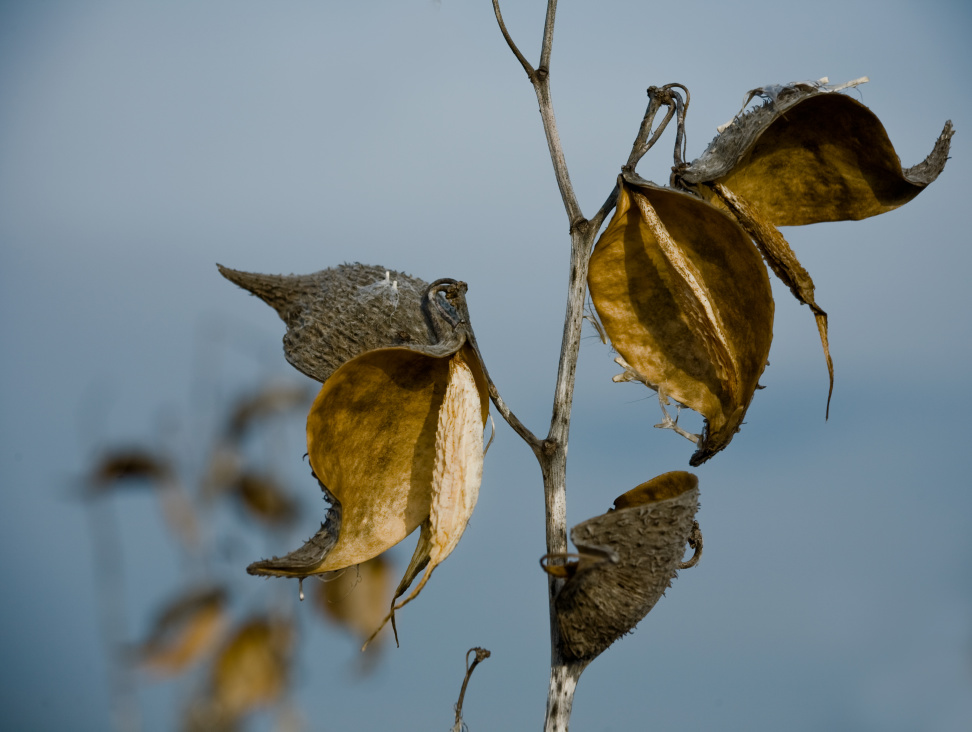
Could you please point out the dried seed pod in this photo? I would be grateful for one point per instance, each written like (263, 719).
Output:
(627, 559)
(185, 631)
(807, 155)
(812, 155)
(685, 299)
(395, 434)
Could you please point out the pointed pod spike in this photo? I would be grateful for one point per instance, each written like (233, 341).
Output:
(281, 292)
(931, 167)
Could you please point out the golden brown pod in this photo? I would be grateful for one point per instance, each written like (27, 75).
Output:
(627, 559)
(808, 155)
(812, 155)
(395, 434)
(685, 299)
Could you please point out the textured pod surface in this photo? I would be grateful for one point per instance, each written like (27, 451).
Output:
(811, 156)
(395, 435)
(372, 442)
(338, 313)
(685, 298)
(628, 558)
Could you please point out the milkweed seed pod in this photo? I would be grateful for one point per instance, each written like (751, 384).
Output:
(395, 434)
(811, 155)
(807, 155)
(627, 559)
(685, 299)
(184, 632)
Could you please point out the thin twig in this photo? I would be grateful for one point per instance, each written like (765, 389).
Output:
(609, 203)
(540, 78)
(481, 655)
(548, 31)
(530, 71)
(521, 429)
(641, 145)
(694, 542)
(681, 144)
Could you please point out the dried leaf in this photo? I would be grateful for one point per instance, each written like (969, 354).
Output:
(627, 559)
(250, 671)
(131, 464)
(685, 299)
(184, 632)
(810, 155)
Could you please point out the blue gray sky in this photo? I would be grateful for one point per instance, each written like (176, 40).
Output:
(142, 143)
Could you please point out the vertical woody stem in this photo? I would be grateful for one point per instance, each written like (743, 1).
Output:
(552, 452)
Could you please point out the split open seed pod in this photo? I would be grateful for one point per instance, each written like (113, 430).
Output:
(812, 155)
(395, 434)
(808, 155)
(627, 559)
(685, 299)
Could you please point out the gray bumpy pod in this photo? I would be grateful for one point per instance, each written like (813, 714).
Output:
(628, 558)
(344, 311)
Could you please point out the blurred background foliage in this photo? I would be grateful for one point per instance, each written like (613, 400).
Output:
(142, 143)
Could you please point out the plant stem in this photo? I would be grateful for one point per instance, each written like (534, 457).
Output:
(552, 454)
